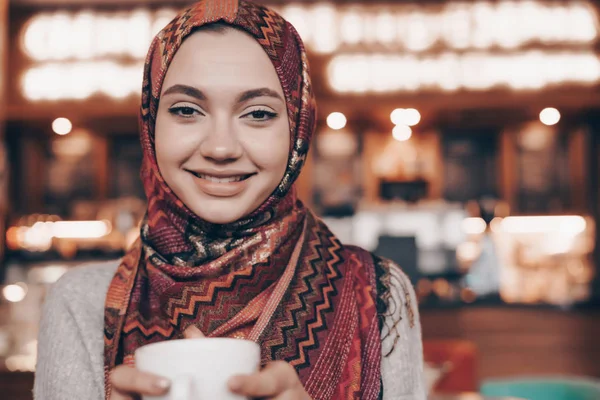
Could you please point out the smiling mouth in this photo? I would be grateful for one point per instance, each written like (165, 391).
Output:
(220, 179)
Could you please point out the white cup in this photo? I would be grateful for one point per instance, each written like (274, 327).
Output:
(199, 369)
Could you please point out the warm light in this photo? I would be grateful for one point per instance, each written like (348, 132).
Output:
(86, 35)
(408, 116)
(351, 27)
(412, 116)
(80, 80)
(531, 70)
(62, 126)
(566, 225)
(336, 120)
(38, 237)
(402, 133)
(80, 229)
(474, 226)
(456, 26)
(95, 36)
(397, 116)
(327, 39)
(385, 27)
(549, 116)
(14, 293)
(68, 38)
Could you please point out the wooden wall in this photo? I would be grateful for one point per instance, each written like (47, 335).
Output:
(521, 341)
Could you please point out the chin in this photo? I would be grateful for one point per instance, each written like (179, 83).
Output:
(219, 214)
(221, 210)
(219, 219)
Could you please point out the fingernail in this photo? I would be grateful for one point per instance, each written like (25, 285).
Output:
(162, 383)
(235, 384)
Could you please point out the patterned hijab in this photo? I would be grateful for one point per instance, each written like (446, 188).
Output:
(278, 277)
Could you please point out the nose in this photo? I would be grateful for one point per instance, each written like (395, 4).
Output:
(221, 144)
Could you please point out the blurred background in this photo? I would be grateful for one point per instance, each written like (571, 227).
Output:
(460, 139)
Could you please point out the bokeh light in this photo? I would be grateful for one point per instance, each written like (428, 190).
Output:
(402, 133)
(550, 116)
(405, 116)
(336, 120)
(62, 126)
(15, 293)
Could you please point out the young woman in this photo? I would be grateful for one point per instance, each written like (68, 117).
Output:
(226, 248)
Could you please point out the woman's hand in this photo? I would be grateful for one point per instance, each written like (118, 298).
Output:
(129, 383)
(277, 381)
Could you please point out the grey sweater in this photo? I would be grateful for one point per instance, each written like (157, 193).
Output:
(71, 346)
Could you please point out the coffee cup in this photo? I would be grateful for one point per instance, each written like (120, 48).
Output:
(199, 369)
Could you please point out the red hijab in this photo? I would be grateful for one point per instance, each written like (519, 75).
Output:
(278, 277)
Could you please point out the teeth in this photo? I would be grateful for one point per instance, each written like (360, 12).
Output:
(221, 180)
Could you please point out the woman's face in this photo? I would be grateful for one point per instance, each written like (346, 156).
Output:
(222, 134)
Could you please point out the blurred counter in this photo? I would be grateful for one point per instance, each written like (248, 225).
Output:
(455, 258)
(422, 238)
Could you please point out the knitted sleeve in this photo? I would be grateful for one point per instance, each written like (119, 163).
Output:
(65, 367)
(402, 347)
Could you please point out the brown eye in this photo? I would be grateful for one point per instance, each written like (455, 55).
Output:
(185, 112)
(260, 115)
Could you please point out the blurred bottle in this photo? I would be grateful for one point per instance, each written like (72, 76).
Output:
(484, 275)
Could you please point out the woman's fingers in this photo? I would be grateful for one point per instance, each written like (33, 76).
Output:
(276, 378)
(127, 381)
(193, 332)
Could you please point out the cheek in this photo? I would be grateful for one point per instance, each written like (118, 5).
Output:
(270, 152)
(170, 144)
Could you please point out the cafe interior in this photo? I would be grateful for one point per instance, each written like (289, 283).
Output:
(460, 139)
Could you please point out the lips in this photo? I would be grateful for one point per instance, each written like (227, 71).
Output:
(221, 183)
(222, 179)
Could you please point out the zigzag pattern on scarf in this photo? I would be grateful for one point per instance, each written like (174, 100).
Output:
(147, 329)
(185, 271)
(318, 322)
(305, 296)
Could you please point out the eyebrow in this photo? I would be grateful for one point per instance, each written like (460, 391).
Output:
(262, 92)
(187, 90)
(243, 97)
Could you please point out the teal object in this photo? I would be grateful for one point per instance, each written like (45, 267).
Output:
(544, 388)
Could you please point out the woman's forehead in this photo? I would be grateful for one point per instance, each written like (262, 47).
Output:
(230, 60)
